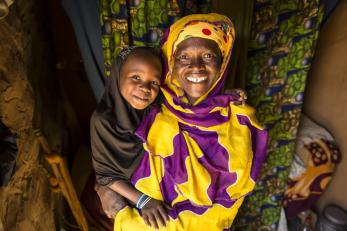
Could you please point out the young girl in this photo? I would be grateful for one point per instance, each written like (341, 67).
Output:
(129, 94)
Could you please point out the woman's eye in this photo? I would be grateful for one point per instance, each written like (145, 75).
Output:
(183, 58)
(208, 56)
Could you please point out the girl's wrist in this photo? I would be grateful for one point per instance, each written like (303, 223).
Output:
(142, 201)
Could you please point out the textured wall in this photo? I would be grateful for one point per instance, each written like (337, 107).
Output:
(28, 93)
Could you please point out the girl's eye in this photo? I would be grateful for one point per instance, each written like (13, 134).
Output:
(155, 83)
(136, 77)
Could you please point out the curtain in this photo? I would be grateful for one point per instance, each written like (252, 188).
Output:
(240, 13)
(281, 48)
(84, 17)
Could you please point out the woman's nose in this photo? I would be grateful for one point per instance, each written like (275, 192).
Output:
(197, 62)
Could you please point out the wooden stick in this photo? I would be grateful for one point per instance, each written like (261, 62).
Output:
(62, 181)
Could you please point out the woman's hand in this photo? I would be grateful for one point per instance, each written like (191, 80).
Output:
(239, 93)
(154, 213)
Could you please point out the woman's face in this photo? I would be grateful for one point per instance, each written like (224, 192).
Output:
(197, 62)
(140, 79)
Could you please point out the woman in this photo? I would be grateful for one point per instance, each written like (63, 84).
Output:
(202, 151)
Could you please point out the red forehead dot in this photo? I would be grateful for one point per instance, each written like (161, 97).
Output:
(206, 31)
(225, 38)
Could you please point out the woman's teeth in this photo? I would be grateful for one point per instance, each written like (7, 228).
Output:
(196, 79)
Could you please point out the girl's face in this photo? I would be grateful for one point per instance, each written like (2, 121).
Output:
(197, 62)
(140, 79)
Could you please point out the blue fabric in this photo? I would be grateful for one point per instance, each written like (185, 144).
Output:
(329, 7)
(84, 16)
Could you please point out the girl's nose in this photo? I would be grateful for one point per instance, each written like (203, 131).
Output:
(145, 87)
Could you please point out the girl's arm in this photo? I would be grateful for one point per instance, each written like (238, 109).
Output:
(125, 189)
(111, 202)
(154, 212)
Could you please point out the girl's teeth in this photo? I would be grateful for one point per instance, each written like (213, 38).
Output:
(196, 80)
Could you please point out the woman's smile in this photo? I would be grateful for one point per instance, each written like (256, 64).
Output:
(197, 77)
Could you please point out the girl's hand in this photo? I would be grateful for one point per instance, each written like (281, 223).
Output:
(154, 213)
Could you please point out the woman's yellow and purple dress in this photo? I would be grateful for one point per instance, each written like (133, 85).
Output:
(201, 159)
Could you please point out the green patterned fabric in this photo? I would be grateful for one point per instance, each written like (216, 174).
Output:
(140, 22)
(282, 44)
(240, 13)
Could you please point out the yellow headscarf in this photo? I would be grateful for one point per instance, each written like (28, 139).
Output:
(215, 27)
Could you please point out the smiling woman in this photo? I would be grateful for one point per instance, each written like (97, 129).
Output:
(203, 149)
(197, 62)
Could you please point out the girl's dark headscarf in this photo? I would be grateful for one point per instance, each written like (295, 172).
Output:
(116, 150)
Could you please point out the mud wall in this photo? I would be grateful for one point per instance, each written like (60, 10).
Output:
(29, 105)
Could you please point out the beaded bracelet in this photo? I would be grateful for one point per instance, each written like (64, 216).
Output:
(142, 201)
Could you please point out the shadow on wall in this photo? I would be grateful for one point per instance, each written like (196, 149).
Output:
(8, 154)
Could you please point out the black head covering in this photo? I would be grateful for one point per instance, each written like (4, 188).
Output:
(116, 150)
